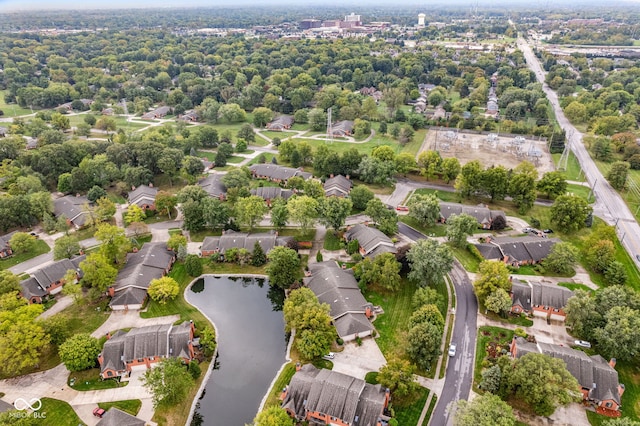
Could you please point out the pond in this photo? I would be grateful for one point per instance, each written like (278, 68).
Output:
(251, 346)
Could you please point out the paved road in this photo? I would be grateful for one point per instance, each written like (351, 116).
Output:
(609, 204)
(459, 374)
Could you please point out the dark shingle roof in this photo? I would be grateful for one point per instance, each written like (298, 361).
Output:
(525, 248)
(482, 214)
(72, 208)
(272, 192)
(549, 295)
(521, 295)
(31, 288)
(281, 122)
(369, 239)
(337, 186)
(143, 195)
(213, 185)
(489, 251)
(115, 417)
(54, 272)
(274, 171)
(232, 239)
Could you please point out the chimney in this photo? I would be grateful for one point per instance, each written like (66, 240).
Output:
(298, 366)
(150, 184)
(612, 362)
(348, 177)
(108, 335)
(331, 176)
(133, 187)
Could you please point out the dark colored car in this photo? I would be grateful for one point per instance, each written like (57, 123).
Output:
(98, 412)
(548, 231)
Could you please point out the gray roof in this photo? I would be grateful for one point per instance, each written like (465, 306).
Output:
(31, 288)
(232, 239)
(72, 208)
(115, 417)
(592, 372)
(143, 195)
(281, 122)
(521, 294)
(489, 251)
(339, 289)
(149, 263)
(54, 272)
(342, 127)
(271, 192)
(274, 171)
(525, 248)
(549, 295)
(482, 214)
(158, 112)
(4, 240)
(369, 239)
(165, 340)
(335, 394)
(129, 297)
(213, 185)
(337, 186)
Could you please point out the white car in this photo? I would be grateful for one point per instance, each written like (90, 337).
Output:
(582, 343)
(329, 356)
(452, 349)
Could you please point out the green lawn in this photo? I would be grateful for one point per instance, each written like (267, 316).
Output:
(40, 247)
(438, 230)
(332, 242)
(271, 134)
(234, 159)
(450, 197)
(199, 236)
(88, 380)
(414, 146)
(410, 414)
(131, 406)
(55, 413)
(581, 191)
(574, 287)
(464, 256)
(85, 316)
(211, 156)
(267, 157)
(432, 406)
(12, 110)
(363, 148)
(283, 379)
(488, 335)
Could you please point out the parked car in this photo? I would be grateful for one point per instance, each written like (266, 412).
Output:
(526, 230)
(582, 343)
(548, 231)
(329, 356)
(452, 349)
(402, 208)
(98, 412)
(638, 257)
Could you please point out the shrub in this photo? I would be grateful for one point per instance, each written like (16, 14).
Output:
(353, 246)
(193, 265)
(475, 252)
(340, 341)
(319, 257)
(534, 222)
(357, 257)
(194, 369)
(358, 341)
(520, 332)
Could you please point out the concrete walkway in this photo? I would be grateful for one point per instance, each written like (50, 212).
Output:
(61, 304)
(357, 361)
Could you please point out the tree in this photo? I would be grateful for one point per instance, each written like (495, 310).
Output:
(620, 336)
(165, 203)
(22, 340)
(600, 255)
(303, 210)
(250, 210)
(134, 214)
(543, 382)
(9, 283)
(360, 195)
(617, 175)
(104, 209)
(374, 170)
(215, 212)
(553, 184)
(71, 289)
(427, 313)
(450, 169)
(522, 186)
(425, 209)
(562, 258)
(169, 382)
(258, 258)
(430, 261)
(246, 133)
(335, 211)
(232, 113)
(273, 416)
(207, 341)
(376, 210)
(427, 296)
(279, 213)
(193, 214)
(21, 242)
(192, 167)
(314, 333)
(484, 410)
(96, 192)
(469, 180)
(499, 301)
(615, 273)
(98, 272)
(492, 275)
(66, 246)
(398, 376)
(459, 227)
(582, 315)
(175, 241)
(115, 244)
(262, 116)
(570, 212)
(495, 182)
(236, 178)
(59, 121)
(625, 421)
(284, 267)
(163, 289)
(79, 352)
(491, 379)
(424, 344)
(383, 271)
(193, 265)
(393, 98)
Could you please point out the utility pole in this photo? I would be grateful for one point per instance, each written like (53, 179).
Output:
(329, 125)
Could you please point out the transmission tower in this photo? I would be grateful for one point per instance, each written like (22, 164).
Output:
(564, 158)
(329, 126)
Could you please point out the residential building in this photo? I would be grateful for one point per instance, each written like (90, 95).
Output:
(538, 299)
(5, 248)
(212, 184)
(231, 239)
(350, 311)
(189, 116)
(157, 113)
(337, 186)
(144, 197)
(517, 251)
(49, 280)
(483, 215)
(74, 209)
(372, 242)
(139, 348)
(322, 396)
(269, 193)
(115, 417)
(276, 173)
(280, 123)
(342, 128)
(598, 378)
(129, 291)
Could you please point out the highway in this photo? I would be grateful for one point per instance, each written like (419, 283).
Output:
(459, 373)
(609, 205)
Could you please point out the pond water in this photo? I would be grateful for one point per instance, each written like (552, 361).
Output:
(251, 346)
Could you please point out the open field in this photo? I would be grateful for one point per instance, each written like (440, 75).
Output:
(503, 151)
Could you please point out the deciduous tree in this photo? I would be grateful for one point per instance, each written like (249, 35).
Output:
(303, 210)
(66, 246)
(459, 227)
(273, 416)
(335, 211)
(617, 175)
(484, 410)
(398, 376)
(424, 344)
(193, 265)
(115, 245)
(570, 212)
(165, 203)
(492, 275)
(311, 320)
(135, 214)
(284, 267)
(21, 242)
(429, 262)
(279, 213)
(169, 382)
(79, 352)
(163, 289)
(522, 186)
(383, 271)
(499, 301)
(250, 210)
(98, 272)
(425, 209)
(553, 184)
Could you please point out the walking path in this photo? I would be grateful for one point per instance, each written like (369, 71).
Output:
(61, 304)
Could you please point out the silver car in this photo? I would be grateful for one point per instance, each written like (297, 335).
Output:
(452, 349)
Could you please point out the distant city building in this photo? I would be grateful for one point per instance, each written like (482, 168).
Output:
(421, 17)
(306, 24)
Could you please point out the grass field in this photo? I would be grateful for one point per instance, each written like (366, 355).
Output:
(40, 247)
(410, 414)
(283, 379)
(332, 242)
(13, 110)
(131, 406)
(281, 135)
(574, 170)
(56, 413)
(574, 287)
(487, 335)
(90, 380)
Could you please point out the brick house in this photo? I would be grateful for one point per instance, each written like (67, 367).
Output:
(140, 348)
(540, 300)
(280, 123)
(74, 209)
(337, 186)
(276, 173)
(49, 280)
(517, 251)
(372, 242)
(342, 128)
(144, 197)
(597, 378)
(483, 215)
(5, 248)
(231, 239)
(213, 185)
(269, 193)
(321, 396)
(157, 113)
